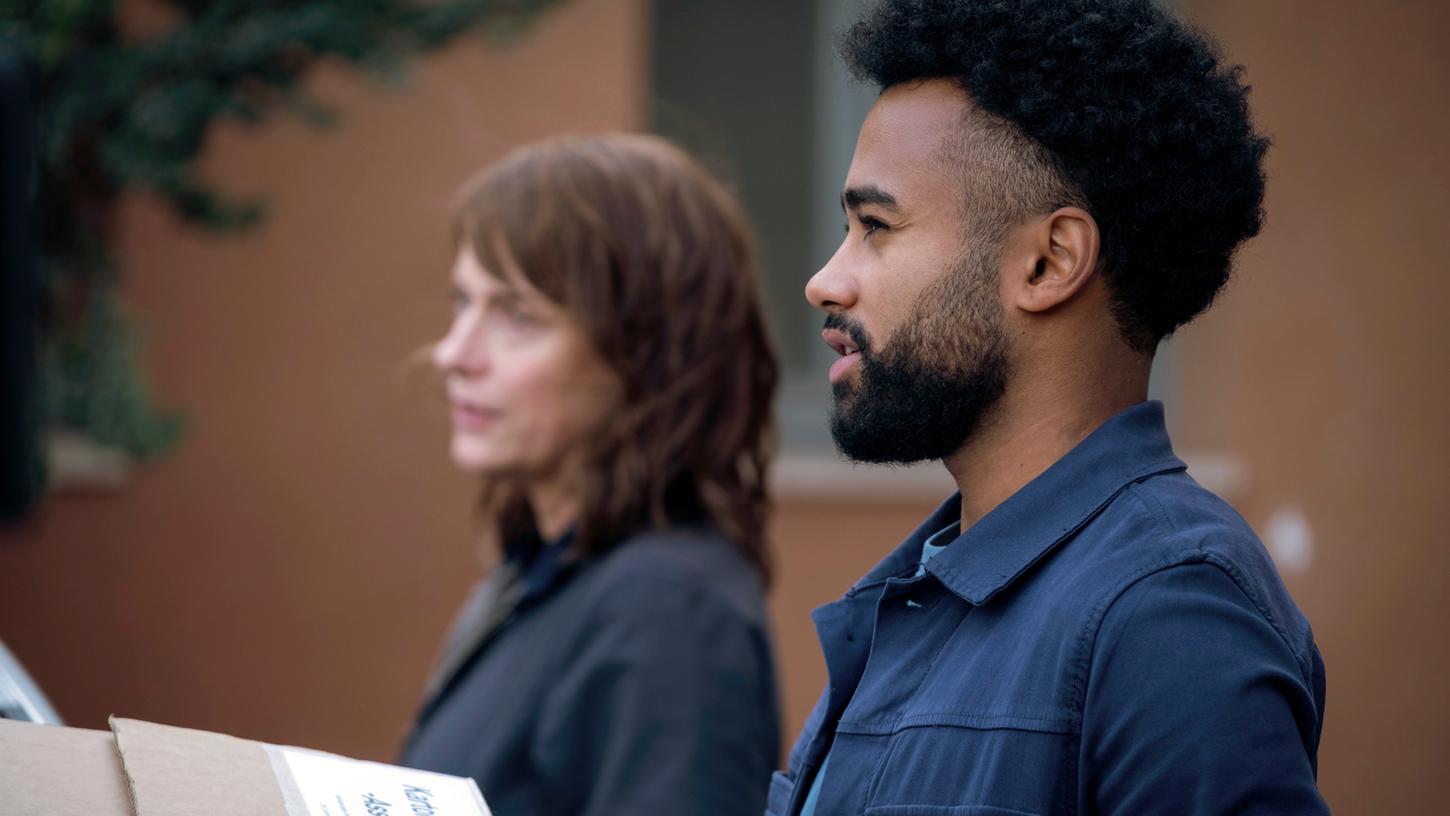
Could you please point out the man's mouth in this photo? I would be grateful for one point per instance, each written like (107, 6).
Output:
(840, 341)
(843, 345)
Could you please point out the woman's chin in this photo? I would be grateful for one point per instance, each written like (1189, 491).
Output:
(474, 458)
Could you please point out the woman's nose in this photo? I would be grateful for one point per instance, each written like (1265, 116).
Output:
(460, 349)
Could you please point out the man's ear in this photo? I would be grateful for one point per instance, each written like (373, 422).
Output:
(1056, 256)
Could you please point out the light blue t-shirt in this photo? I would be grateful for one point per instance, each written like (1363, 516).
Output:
(929, 548)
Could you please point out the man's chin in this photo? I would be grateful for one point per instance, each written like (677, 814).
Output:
(873, 446)
(876, 454)
(845, 389)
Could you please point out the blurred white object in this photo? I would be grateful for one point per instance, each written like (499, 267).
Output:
(77, 463)
(1289, 539)
(20, 698)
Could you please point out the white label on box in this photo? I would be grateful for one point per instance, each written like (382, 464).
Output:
(335, 786)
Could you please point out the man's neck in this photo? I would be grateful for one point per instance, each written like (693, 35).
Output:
(1025, 433)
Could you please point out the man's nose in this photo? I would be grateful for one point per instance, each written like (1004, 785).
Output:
(833, 288)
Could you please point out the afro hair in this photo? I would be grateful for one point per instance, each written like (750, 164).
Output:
(1135, 109)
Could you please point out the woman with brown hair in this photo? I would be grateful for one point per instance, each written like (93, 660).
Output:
(611, 383)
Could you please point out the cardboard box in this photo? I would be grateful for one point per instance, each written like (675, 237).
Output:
(144, 769)
(47, 770)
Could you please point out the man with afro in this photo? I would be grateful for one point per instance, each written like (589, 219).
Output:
(1042, 192)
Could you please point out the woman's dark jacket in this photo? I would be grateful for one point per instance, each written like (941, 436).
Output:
(639, 681)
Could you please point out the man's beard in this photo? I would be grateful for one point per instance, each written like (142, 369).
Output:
(923, 395)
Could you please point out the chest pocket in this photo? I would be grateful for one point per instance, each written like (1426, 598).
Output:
(944, 765)
(778, 798)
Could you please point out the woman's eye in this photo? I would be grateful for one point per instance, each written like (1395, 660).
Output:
(518, 316)
(458, 300)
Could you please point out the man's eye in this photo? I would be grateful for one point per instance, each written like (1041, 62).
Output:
(872, 224)
(868, 223)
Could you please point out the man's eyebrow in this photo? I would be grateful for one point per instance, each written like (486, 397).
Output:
(855, 197)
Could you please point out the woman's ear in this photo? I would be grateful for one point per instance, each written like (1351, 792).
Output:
(1057, 255)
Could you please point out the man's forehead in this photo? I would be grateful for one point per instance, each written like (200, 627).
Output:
(903, 141)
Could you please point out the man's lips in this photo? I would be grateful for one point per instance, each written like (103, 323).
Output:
(840, 341)
(844, 346)
(843, 366)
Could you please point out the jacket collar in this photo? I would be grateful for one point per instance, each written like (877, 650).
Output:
(994, 552)
(543, 566)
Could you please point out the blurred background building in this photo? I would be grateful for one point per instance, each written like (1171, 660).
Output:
(287, 572)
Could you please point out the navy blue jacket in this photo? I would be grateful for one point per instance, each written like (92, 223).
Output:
(1112, 639)
(638, 682)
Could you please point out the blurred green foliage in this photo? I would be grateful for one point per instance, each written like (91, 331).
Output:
(120, 112)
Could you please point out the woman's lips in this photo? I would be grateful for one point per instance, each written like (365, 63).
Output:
(472, 417)
(843, 365)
